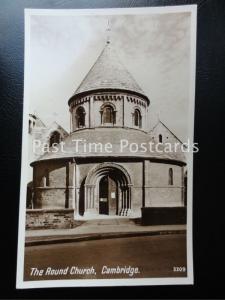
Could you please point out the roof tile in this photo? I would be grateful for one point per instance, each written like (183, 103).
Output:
(108, 73)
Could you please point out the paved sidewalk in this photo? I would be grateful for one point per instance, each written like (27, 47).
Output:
(98, 229)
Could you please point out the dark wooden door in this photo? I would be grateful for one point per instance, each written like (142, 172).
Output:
(108, 196)
(103, 196)
(112, 196)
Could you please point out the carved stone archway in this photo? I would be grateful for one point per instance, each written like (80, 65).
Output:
(92, 181)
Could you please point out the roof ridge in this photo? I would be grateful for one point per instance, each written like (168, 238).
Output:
(158, 122)
(90, 69)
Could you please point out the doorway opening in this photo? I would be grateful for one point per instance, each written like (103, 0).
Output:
(107, 191)
(108, 195)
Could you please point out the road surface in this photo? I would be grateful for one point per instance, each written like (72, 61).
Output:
(136, 257)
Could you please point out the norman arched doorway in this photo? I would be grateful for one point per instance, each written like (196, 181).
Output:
(108, 190)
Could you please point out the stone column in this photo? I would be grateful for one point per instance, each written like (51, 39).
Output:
(75, 190)
(91, 113)
(143, 183)
(119, 200)
(123, 110)
(146, 182)
(69, 199)
(129, 211)
(121, 208)
(182, 186)
(89, 200)
(67, 185)
(126, 201)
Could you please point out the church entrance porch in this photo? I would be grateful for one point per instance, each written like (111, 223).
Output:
(107, 191)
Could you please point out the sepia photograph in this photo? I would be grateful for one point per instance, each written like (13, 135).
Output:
(107, 153)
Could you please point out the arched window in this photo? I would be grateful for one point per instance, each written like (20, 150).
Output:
(55, 138)
(108, 115)
(80, 117)
(170, 176)
(30, 126)
(46, 179)
(137, 118)
(160, 138)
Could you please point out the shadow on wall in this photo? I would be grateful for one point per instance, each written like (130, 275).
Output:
(81, 198)
(163, 215)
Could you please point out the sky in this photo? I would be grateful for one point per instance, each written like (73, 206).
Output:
(154, 48)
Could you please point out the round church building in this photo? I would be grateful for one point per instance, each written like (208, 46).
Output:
(105, 167)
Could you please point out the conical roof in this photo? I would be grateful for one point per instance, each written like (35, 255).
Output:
(108, 73)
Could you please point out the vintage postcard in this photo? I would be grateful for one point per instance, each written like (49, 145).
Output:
(106, 180)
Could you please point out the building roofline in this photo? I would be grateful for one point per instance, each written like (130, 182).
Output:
(85, 93)
(153, 159)
(159, 121)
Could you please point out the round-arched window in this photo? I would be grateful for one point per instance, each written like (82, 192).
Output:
(160, 138)
(55, 138)
(170, 176)
(137, 118)
(108, 115)
(30, 126)
(80, 117)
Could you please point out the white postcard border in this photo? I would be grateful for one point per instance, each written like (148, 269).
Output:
(20, 283)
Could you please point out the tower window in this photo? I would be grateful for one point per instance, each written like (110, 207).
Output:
(108, 115)
(137, 118)
(170, 176)
(55, 138)
(80, 117)
(160, 138)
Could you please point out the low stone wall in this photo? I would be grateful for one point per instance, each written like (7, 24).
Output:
(163, 215)
(49, 219)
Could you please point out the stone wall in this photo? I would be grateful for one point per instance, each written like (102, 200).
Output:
(167, 135)
(49, 219)
(159, 193)
(129, 108)
(52, 195)
(66, 184)
(124, 104)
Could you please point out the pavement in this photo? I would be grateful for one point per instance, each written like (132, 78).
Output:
(98, 229)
